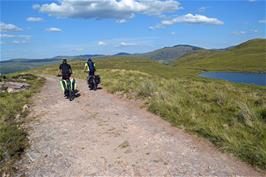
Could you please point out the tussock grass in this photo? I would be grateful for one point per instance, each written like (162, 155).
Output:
(13, 138)
(226, 114)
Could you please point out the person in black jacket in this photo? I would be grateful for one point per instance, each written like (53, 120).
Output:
(65, 70)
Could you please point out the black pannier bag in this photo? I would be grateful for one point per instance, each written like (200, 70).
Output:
(97, 79)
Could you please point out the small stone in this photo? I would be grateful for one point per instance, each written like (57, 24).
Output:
(25, 108)
(10, 90)
(17, 116)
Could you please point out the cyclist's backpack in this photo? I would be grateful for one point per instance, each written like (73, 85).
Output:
(91, 66)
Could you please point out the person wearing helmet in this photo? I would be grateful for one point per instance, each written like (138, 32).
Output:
(90, 67)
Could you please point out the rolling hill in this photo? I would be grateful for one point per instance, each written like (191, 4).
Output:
(248, 56)
(168, 54)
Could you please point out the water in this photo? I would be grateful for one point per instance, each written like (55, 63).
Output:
(238, 77)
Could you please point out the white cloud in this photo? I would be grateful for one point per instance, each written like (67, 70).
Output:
(7, 36)
(102, 43)
(78, 49)
(53, 29)
(121, 21)
(9, 27)
(26, 37)
(252, 0)
(239, 32)
(102, 9)
(189, 18)
(125, 44)
(34, 19)
(202, 9)
(262, 21)
(173, 33)
(19, 42)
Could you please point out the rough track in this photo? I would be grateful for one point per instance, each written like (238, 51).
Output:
(99, 134)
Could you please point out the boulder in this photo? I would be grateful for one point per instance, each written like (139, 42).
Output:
(11, 87)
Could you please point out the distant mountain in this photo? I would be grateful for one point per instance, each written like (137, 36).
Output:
(122, 54)
(246, 54)
(170, 53)
(86, 56)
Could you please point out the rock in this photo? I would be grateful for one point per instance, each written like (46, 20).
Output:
(32, 155)
(16, 85)
(25, 108)
(10, 90)
(125, 144)
(11, 87)
(17, 116)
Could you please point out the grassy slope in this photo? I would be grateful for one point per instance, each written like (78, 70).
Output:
(232, 116)
(13, 138)
(249, 56)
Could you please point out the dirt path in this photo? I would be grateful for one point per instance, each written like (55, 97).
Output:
(99, 134)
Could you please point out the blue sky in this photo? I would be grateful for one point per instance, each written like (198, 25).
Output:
(41, 29)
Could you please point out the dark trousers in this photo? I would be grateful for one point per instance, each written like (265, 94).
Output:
(91, 73)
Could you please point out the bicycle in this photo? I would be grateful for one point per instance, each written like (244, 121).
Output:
(68, 88)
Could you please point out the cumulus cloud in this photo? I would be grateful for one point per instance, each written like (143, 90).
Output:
(102, 9)
(34, 19)
(189, 18)
(53, 29)
(102, 43)
(9, 27)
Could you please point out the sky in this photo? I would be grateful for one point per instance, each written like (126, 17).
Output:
(42, 29)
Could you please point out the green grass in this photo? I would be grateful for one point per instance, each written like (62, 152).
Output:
(231, 116)
(13, 137)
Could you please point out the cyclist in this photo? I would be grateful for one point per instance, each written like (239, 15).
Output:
(66, 71)
(90, 67)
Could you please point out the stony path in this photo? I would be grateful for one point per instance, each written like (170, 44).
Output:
(99, 134)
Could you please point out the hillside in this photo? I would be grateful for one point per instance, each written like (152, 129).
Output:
(248, 56)
(24, 64)
(167, 54)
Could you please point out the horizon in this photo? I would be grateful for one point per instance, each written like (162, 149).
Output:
(99, 55)
(129, 26)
